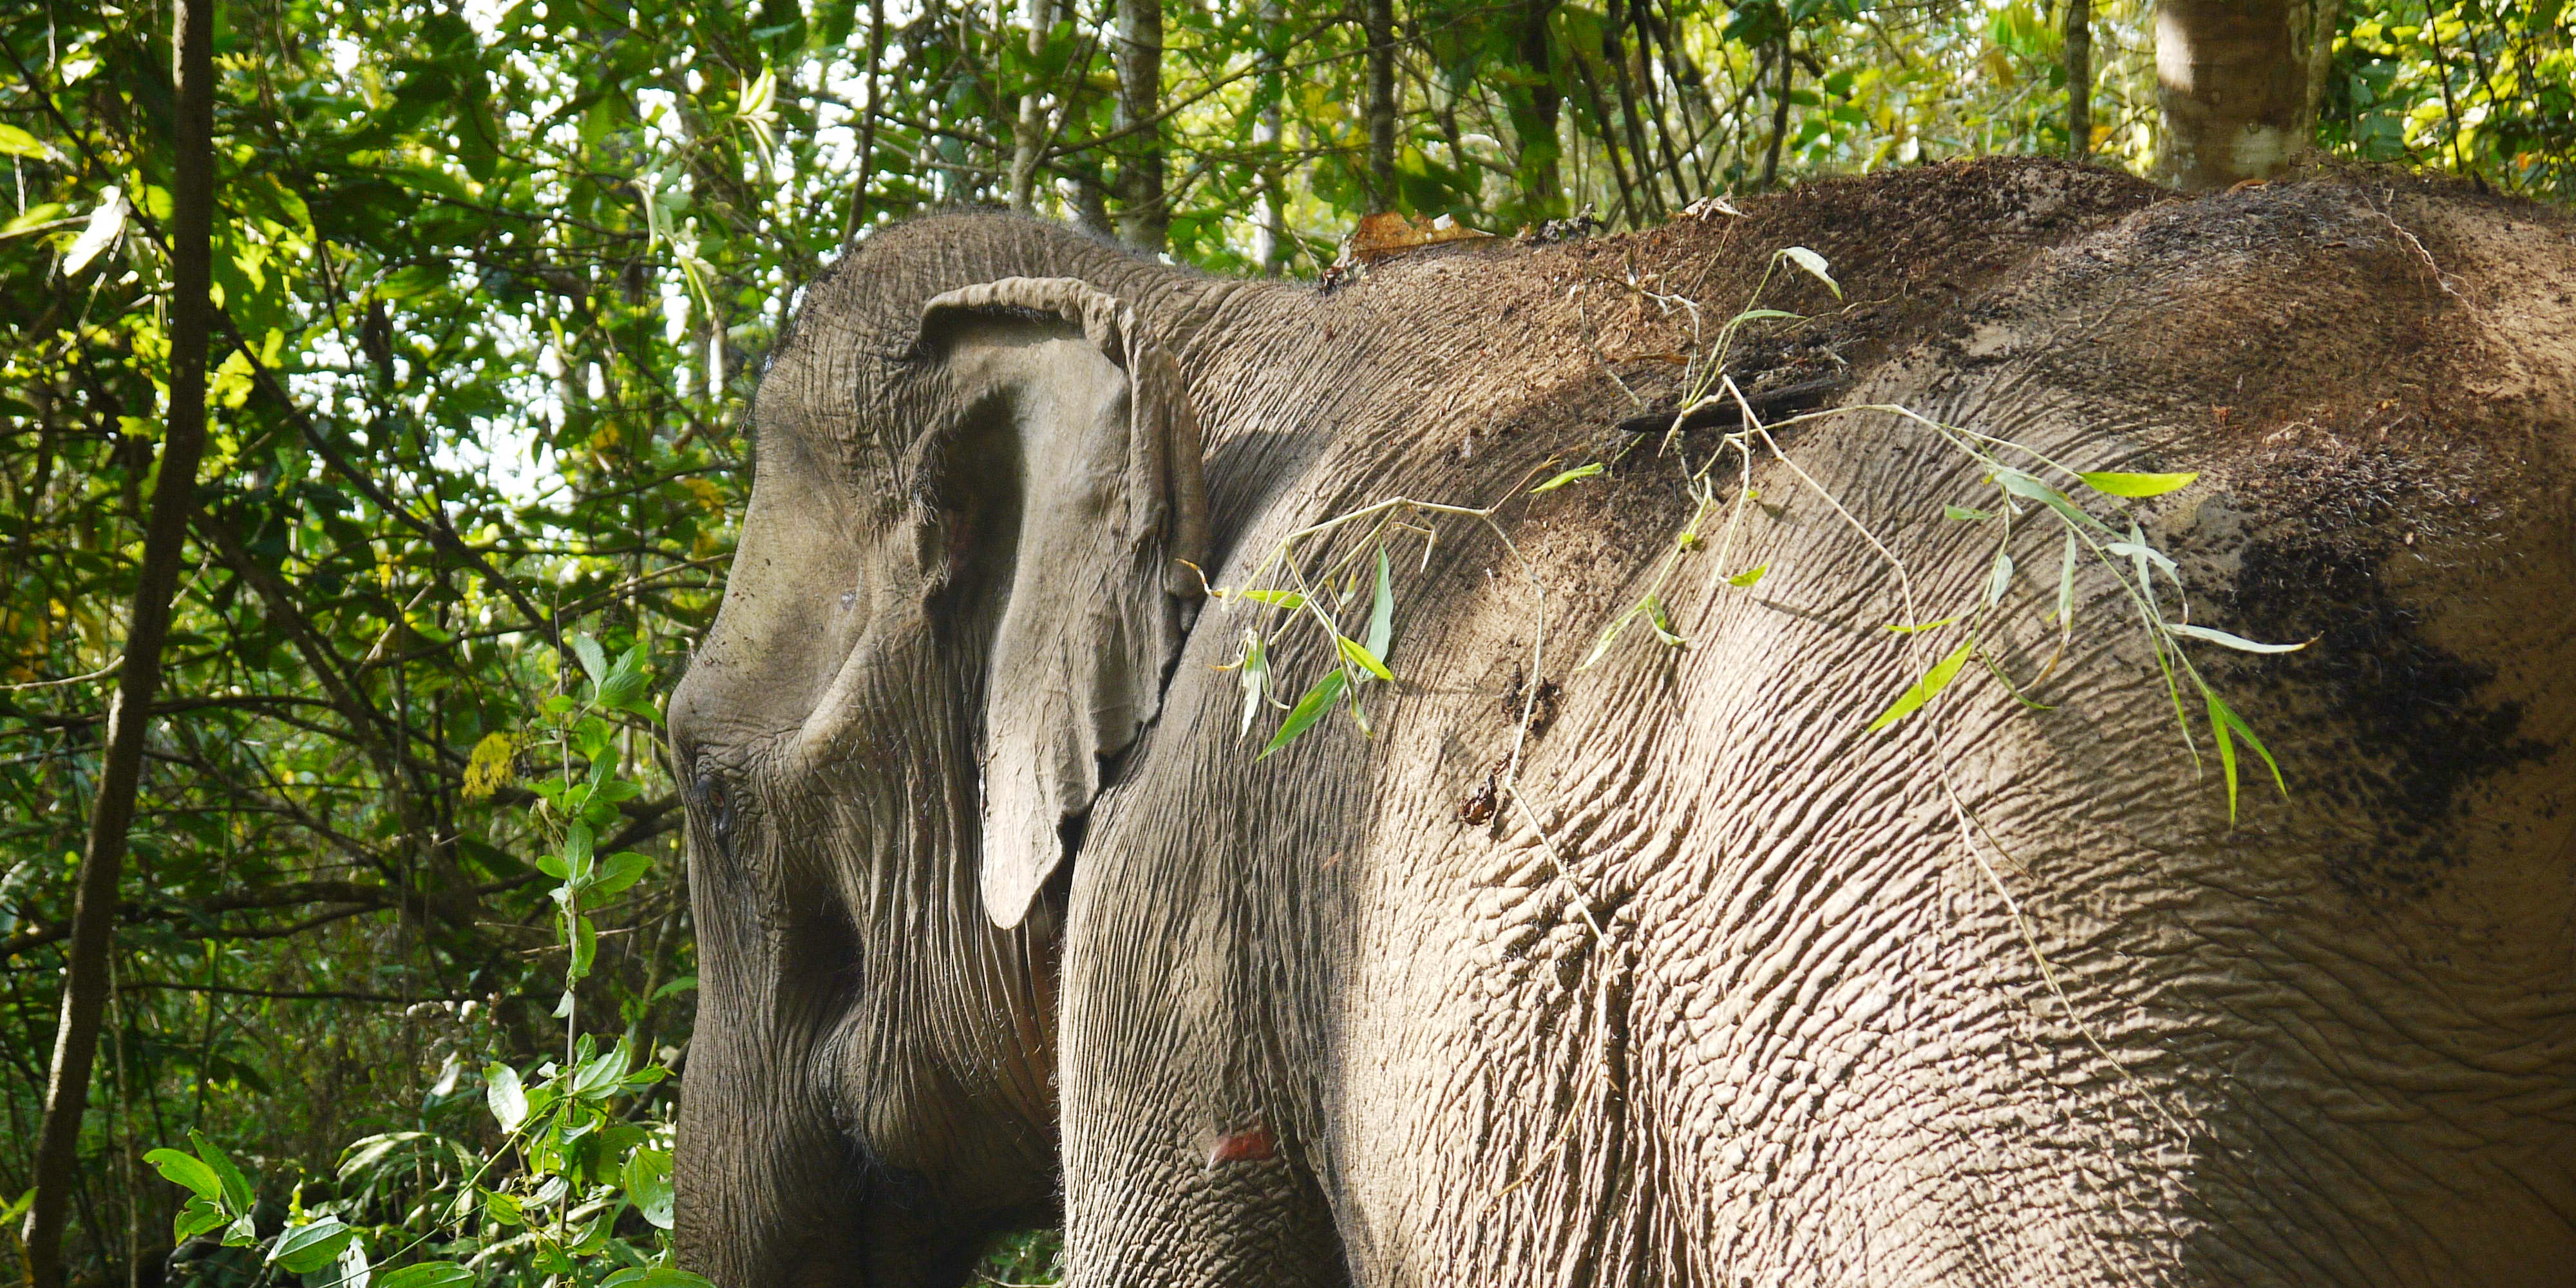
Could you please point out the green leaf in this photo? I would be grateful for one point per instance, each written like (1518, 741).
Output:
(1663, 624)
(624, 683)
(1575, 475)
(578, 845)
(1749, 575)
(1308, 710)
(594, 660)
(1925, 689)
(1761, 315)
(1894, 629)
(198, 1216)
(238, 1196)
(18, 143)
(507, 1099)
(1815, 266)
(429, 1274)
(1965, 514)
(599, 1075)
(1255, 676)
(2000, 580)
(1287, 599)
(2118, 483)
(2236, 642)
(2030, 488)
(308, 1248)
(621, 870)
(684, 984)
(1609, 635)
(187, 1170)
(2226, 726)
(1381, 627)
(2224, 721)
(648, 1185)
(504, 1208)
(1359, 656)
(2226, 752)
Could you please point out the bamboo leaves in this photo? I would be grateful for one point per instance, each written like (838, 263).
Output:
(1925, 689)
(2116, 483)
(1356, 662)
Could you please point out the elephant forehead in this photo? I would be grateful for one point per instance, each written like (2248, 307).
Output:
(802, 589)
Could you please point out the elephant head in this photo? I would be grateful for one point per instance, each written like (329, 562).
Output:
(957, 603)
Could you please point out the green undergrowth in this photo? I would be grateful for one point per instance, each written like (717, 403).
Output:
(560, 1177)
(1023, 1257)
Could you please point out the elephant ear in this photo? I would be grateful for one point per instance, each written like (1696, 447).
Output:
(1087, 495)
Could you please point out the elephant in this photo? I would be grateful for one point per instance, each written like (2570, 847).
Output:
(1678, 961)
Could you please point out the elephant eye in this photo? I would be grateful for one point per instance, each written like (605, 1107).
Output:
(717, 804)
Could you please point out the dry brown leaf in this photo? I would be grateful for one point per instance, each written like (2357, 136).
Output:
(1393, 233)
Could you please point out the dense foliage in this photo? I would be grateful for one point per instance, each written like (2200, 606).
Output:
(494, 280)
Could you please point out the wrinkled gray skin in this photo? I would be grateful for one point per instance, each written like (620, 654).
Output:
(1811, 1046)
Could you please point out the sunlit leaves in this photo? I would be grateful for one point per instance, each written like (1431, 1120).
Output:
(1317, 702)
(2224, 639)
(1575, 475)
(1355, 663)
(2116, 483)
(1925, 689)
(1813, 265)
(16, 142)
(221, 1197)
(106, 221)
(304, 1249)
(508, 1100)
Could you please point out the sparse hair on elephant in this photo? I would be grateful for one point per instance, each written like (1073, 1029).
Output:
(1001, 921)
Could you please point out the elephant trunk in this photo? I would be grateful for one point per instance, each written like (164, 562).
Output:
(772, 1193)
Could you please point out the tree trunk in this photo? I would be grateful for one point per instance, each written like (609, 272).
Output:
(1535, 106)
(2079, 79)
(1143, 221)
(857, 218)
(1028, 134)
(1779, 114)
(2238, 83)
(1270, 229)
(85, 983)
(1614, 56)
(1377, 21)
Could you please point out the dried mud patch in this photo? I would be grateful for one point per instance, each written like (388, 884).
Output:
(2392, 730)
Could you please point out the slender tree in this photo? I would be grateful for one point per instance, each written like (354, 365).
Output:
(1377, 23)
(866, 168)
(1270, 228)
(2079, 78)
(1788, 68)
(129, 712)
(2238, 83)
(1028, 133)
(1535, 104)
(1144, 218)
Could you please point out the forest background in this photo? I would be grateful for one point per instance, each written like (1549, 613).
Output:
(403, 929)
